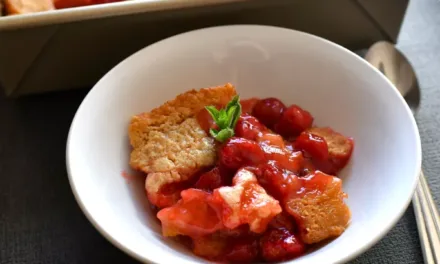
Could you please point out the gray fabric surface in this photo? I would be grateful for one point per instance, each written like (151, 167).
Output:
(40, 221)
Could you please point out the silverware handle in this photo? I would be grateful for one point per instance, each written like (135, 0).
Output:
(428, 221)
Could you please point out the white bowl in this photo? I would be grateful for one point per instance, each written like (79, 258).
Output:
(340, 89)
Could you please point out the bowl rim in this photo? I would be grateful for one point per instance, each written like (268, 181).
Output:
(343, 259)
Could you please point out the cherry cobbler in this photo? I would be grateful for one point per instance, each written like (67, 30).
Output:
(243, 180)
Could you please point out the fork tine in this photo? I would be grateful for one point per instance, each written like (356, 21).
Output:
(432, 205)
(430, 214)
(423, 236)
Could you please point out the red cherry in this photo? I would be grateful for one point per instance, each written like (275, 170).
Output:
(278, 182)
(210, 180)
(240, 152)
(314, 145)
(280, 244)
(269, 111)
(249, 127)
(293, 121)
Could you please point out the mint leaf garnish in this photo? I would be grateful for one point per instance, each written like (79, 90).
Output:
(225, 118)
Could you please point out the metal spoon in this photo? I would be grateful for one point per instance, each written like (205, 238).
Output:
(393, 64)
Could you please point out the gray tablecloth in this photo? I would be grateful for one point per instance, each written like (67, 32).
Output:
(40, 221)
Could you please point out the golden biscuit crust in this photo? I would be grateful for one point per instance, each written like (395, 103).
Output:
(321, 215)
(170, 138)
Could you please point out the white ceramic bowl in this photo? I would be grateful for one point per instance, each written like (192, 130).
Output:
(339, 88)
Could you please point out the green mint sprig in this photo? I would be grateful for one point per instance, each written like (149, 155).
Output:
(225, 118)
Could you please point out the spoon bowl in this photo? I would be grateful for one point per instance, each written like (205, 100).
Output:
(396, 67)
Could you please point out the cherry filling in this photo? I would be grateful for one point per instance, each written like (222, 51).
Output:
(269, 111)
(249, 127)
(240, 152)
(272, 192)
(280, 244)
(193, 215)
(248, 105)
(211, 180)
(293, 121)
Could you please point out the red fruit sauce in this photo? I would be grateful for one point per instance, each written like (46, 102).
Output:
(60, 4)
(275, 155)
